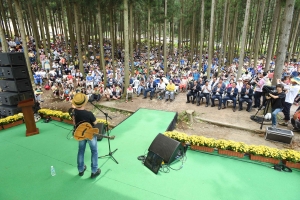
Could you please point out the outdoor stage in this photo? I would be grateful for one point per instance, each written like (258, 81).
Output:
(25, 168)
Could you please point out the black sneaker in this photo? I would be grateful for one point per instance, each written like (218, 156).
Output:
(97, 173)
(82, 173)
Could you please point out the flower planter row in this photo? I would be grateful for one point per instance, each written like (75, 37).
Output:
(241, 155)
(16, 123)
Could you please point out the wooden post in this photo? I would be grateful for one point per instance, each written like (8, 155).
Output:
(26, 106)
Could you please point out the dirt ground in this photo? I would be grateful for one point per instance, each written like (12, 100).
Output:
(250, 135)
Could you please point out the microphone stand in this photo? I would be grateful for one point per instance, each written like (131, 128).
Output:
(110, 153)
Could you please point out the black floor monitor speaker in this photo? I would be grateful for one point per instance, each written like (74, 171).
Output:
(102, 130)
(165, 148)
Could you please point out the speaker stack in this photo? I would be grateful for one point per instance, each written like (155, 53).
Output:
(14, 82)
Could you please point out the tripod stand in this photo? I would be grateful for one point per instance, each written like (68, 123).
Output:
(267, 104)
(110, 153)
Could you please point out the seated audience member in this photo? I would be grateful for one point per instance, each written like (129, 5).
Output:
(107, 93)
(183, 84)
(160, 89)
(90, 80)
(89, 92)
(231, 94)
(205, 91)
(170, 91)
(37, 79)
(150, 88)
(141, 87)
(217, 92)
(246, 96)
(96, 94)
(240, 84)
(194, 89)
(38, 94)
(129, 93)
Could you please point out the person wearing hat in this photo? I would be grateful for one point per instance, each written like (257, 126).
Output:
(292, 91)
(81, 115)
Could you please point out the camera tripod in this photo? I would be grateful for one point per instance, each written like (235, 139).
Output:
(266, 105)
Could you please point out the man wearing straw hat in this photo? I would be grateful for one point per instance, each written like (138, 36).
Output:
(81, 115)
(291, 93)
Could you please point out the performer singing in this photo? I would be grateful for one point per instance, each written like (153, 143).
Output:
(81, 115)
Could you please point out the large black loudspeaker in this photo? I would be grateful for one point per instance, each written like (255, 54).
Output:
(15, 84)
(13, 98)
(14, 72)
(165, 147)
(12, 59)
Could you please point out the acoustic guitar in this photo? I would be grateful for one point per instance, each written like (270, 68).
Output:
(86, 131)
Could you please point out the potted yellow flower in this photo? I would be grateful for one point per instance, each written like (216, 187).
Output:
(66, 118)
(201, 143)
(11, 121)
(264, 154)
(180, 137)
(53, 114)
(231, 148)
(290, 158)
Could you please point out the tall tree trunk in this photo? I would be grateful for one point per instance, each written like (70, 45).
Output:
(102, 62)
(224, 34)
(148, 40)
(52, 25)
(126, 38)
(293, 40)
(35, 32)
(243, 39)
(45, 18)
(131, 25)
(71, 31)
(211, 36)
(41, 25)
(23, 36)
(3, 40)
(78, 38)
(201, 35)
(12, 16)
(4, 18)
(180, 33)
(283, 40)
(165, 39)
(66, 35)
(193, 33)
(272, 34)
(258, 31)
(111, 35)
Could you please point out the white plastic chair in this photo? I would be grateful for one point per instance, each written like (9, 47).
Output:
(135, 84)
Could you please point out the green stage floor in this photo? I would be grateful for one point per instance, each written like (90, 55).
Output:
(25, 168)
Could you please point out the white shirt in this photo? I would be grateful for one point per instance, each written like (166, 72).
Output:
(206, 89)
(292, 93)
(161, 86)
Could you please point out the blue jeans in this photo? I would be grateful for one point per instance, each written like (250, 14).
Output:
(224, 100)
(151, 90)
(274, 114)
(139, 90)
(94, 151)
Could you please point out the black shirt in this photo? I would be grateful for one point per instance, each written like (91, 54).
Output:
(84, 116)
(279, 102)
